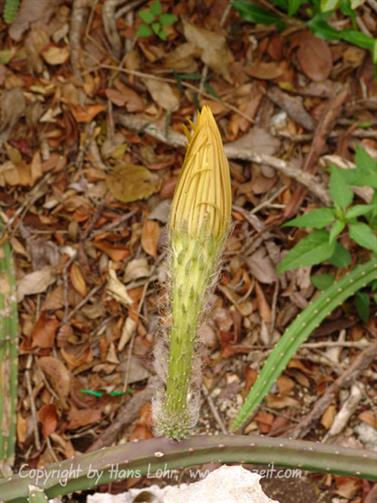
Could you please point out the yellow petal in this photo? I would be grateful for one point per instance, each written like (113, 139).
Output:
(202, 201)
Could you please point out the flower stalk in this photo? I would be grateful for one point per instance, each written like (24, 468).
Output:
(199, 223)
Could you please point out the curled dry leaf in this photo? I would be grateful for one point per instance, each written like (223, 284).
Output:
(35, 282)
(314, 56)
(44, 331)
(150, 237)
(78, 281)
(48, 417)
(86, 113)
(128, 182)
(116, 289)
(55, 55)
(31, 12)
(58, 376)
(214, 51)
(136, 269)
(261, 266)
(163, 94)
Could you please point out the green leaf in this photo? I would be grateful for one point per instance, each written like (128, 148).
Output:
(336, 229)
(357, 38)
(294, 5)
(144, 31)
(322, 281)
(340, 192)
(358, 210)
(363, 235)
(367, 167)
(341, 256)
(329, 5)
(318, 219)
(313, 249)
(255, 14)
(362, 306)
(168, 19)
(321, 28)
(156, 8)
(147, 16)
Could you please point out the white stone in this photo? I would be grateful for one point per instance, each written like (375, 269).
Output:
(227, 484)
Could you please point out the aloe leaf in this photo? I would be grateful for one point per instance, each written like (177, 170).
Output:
(297, 333)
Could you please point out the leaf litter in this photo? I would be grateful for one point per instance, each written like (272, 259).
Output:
(87, 199)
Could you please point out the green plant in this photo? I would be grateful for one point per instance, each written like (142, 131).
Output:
(10, 10)
(154, 21)
(319, 246)
(315, 15)
(8, 355)
(199, 222)
(146, 457)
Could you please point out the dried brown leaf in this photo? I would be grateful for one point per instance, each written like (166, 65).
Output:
(35, 282)
(163, 94)
(150, 236)
(57, 374)
(128, 182)
(215, 52)
(78, 281)
(314, 57)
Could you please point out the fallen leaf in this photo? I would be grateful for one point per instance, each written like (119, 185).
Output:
(328, 416)
(48, 417)
(115, 253)
(78, 281)
(31, 12)
(263, 307)
(116, 289)
(86, 113)
(35, 282)
(136, 269)
(259, 140)
(266, 71)
(261, 266)
(44, 331)
(124, 95)
(314, 56)
(293, 105)
(55, 55)
(182, 59)
(128, 182)
(163, 94)
(129, 328)
(215, 52)
(150, 236)
(57, 374)
(82, 417)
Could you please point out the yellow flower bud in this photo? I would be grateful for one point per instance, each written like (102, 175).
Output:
(199, 223)
(203, 200)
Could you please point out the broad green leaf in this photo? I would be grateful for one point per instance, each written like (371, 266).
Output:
(156, 8)
(255, 14)
(366, 168)
(328, 5)
(144, 31)
(318, 219)
(336, 229)
(319, 26)
(363, 235)
(357, 38)
(358, 210)
(147, 16)
(322, 281)
(294, 5)
(340, 192)
(311, 250)
(362, 306)
(168, 19)
(341, 256)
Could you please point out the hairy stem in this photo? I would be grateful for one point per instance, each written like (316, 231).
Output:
(145, 457)
(301, 328)
(192, 263)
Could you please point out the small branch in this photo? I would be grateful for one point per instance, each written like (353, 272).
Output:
(175, 139)
(77, 20)
(360, 363)
(109, 24)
